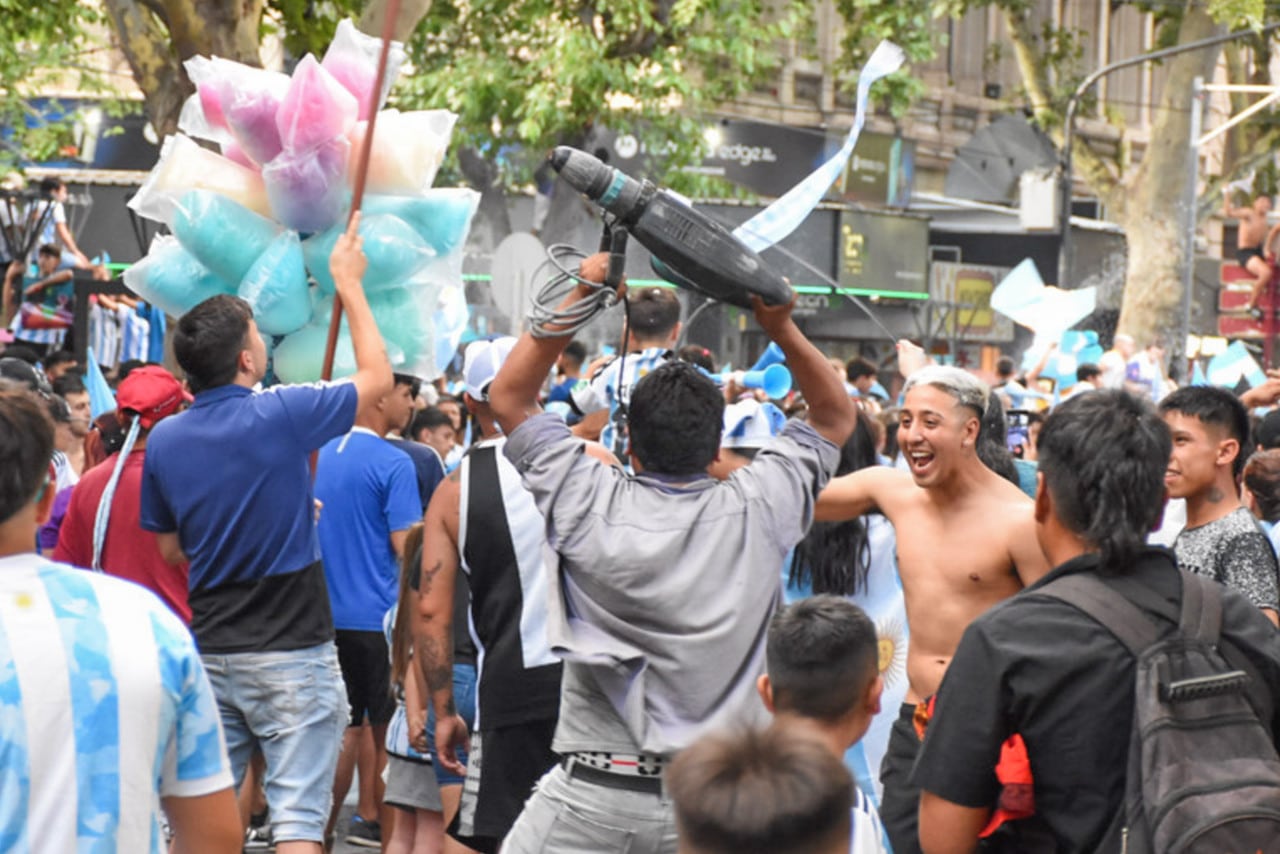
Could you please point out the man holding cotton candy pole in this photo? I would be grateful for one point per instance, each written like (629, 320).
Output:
(227, 485)
(664, 581)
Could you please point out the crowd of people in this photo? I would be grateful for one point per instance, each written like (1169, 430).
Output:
(661, 615)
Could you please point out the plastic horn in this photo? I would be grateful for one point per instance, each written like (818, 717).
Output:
(772, 355)
(362, 173)
(775, 380)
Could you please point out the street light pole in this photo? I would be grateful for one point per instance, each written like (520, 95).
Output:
(1068, 129)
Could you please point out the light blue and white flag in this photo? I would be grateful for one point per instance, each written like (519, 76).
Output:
(1228, 367)
(101, 399)
(785, 215)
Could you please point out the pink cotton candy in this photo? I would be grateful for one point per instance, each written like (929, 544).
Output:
(252, 117)
(356, 77)
(236, 154)
(211, 96)
(308, 189)
(316, 108)
(352, 59)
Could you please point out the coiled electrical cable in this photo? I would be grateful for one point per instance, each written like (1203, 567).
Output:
(547, 309)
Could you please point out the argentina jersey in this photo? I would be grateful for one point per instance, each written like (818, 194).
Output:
(607, 389)
(104, 709)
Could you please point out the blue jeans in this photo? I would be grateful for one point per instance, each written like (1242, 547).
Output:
(464, 699)
(293, 705)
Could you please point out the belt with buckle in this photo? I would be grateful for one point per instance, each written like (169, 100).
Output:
(575, 769)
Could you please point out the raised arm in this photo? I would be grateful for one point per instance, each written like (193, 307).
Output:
(48, 282)
(513, 395)
(347, 264)
(433, 628)
(863, 491)
(1232, 212)
(831, 412)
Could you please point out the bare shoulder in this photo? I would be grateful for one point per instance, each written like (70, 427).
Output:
(872, 488)
(1022, 543)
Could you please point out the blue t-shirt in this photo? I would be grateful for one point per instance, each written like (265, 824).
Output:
(231, 476)
(367, 489)
(426, 464)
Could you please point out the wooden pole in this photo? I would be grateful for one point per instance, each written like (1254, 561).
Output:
(362, 172)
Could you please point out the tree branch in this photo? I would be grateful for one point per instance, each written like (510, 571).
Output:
(1101, 176)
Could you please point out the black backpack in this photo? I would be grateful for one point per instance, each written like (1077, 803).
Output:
(1203, 774)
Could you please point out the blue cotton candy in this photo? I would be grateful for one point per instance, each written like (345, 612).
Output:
(276, 287)
(224, 236)
(405, 319)
(441, 217)
(394, 249)
(171, 279)
(300, 356)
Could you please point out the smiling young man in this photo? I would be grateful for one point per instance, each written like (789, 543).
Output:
(966, 541)
(1221, 540)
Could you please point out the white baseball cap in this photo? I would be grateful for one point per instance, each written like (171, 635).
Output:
(751, 424)
(480, 364)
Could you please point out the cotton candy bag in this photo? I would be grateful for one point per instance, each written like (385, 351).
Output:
(245, 99)
(442, 217)
(316, 108)
(185, 166)
(352, 59)
(408, 149)
(171, 279)
(276, 287)
(308, 190)
(394, 250)
(224, 236)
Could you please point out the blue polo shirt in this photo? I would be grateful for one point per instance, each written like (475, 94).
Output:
(367, 489)
(231, 477)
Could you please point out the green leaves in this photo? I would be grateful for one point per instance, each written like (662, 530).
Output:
(538, 73)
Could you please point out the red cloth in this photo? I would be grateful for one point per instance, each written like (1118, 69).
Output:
(1017, 788)
(129, 551)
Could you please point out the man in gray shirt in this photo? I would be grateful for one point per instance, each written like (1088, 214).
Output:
(1210, 428)
(664, 582)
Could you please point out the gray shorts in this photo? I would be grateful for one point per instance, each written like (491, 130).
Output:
(411, 785)
(572, 816)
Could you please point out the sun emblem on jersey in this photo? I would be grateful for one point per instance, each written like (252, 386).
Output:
(892, 644)
(23, 600)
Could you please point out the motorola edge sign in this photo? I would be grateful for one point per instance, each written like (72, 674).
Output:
(767, 159)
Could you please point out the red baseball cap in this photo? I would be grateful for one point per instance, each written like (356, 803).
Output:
(153, 393)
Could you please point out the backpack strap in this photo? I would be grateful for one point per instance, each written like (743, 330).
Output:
(1201, 608)
(1116, 613)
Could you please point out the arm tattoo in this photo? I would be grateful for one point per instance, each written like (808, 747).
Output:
(437, 666)
(424, 584)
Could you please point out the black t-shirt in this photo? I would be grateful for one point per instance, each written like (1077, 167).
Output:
(279, 612)
(1039, 667)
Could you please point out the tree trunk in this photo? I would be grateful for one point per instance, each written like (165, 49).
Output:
(1155, 219)
(157, 36)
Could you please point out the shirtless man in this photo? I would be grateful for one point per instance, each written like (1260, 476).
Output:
(966, 540)
(1252, 244)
